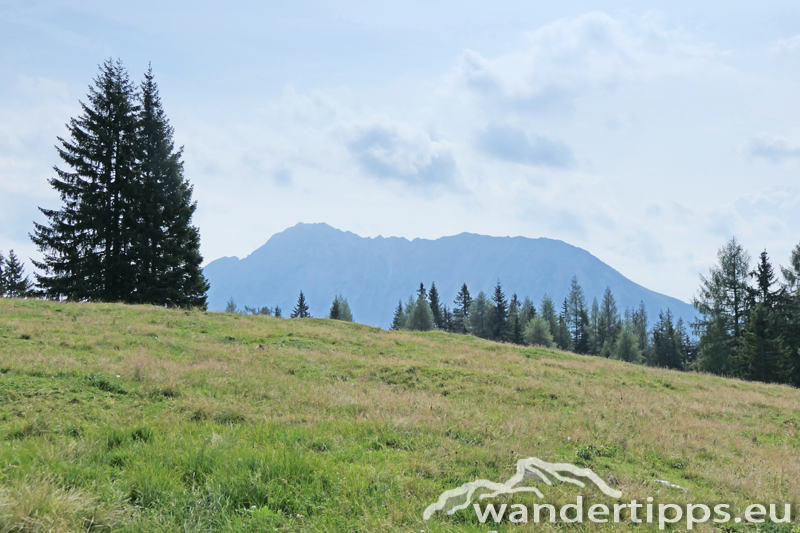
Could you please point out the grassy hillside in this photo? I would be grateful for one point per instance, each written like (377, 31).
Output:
(146, 419)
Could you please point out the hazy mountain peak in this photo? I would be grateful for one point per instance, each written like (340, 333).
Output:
(374, 273)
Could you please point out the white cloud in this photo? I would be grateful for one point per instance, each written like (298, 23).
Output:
(772, 147)
(513, 144)
(788, 46)
(389, 150)
(566, 57)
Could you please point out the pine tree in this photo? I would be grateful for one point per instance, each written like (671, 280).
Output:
(399, 320)
(124, 231)
(421, 317)
(301, 309)
(537, 332)
(231, 306)
(278, 312)
(14, 285)
(594, 318)
(480, 317)
(626, 347)
(514, 321)
(447, 319)
(499, 315)
(527, 311)
(764, 276)
(335, 313)
(421, 292)
(608, 322)
(87, 247)
(344, 307)
(723, 302)
(436, 306)
(166, 247)
(562, 336)
(577, 317)
(762, 354)
(639, 322)
(461, 310)
(548, 311)
(667, 343)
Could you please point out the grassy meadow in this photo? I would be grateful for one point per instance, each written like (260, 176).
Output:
(138, 418)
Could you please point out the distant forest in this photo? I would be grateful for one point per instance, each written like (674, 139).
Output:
(749, 324)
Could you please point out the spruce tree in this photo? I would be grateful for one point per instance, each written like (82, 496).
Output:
(667, 349)
(577, 317)
(499, 315)
(421, 317)
(723, 302)
(548, 312)
(563, 336)
(527, 311)
(301, 309)
(608, 322)
(86, 246)
(14, 285)
(626, 348)
(447, 319)
(399, 320)
(336, 312)
(594, 318)
(515, 322)
(461, 310)
(436, 306)
(480, 316)
(421, 292)
(166, 247)
(124, 231)
(762, 354)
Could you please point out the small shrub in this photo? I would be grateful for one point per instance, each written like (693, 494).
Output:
(100, 382)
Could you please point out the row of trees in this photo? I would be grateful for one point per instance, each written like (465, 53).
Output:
(599, 329)
(124, 232)
(340, 309)
(13, 282)
(750, 317)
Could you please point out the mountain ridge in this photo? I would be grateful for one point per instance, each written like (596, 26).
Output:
(373, 273)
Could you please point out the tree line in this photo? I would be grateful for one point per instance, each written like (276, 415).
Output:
(600, 329)
(339, 310)
(750, 317)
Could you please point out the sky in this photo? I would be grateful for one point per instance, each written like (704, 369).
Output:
(648, 135)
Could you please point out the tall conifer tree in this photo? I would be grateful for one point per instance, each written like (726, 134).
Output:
(13, 282)
(301, 309)
(86, 245)
(461, 310)
(499, 314)
(166, 247)
(436, 306)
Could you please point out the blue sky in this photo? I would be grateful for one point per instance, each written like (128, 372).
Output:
(648, 135)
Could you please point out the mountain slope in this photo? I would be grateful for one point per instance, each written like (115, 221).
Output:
(374, 273)
(139, 418)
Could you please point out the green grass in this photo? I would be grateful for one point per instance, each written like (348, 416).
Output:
(136, 418)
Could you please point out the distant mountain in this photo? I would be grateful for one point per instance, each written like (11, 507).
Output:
(374, 274)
